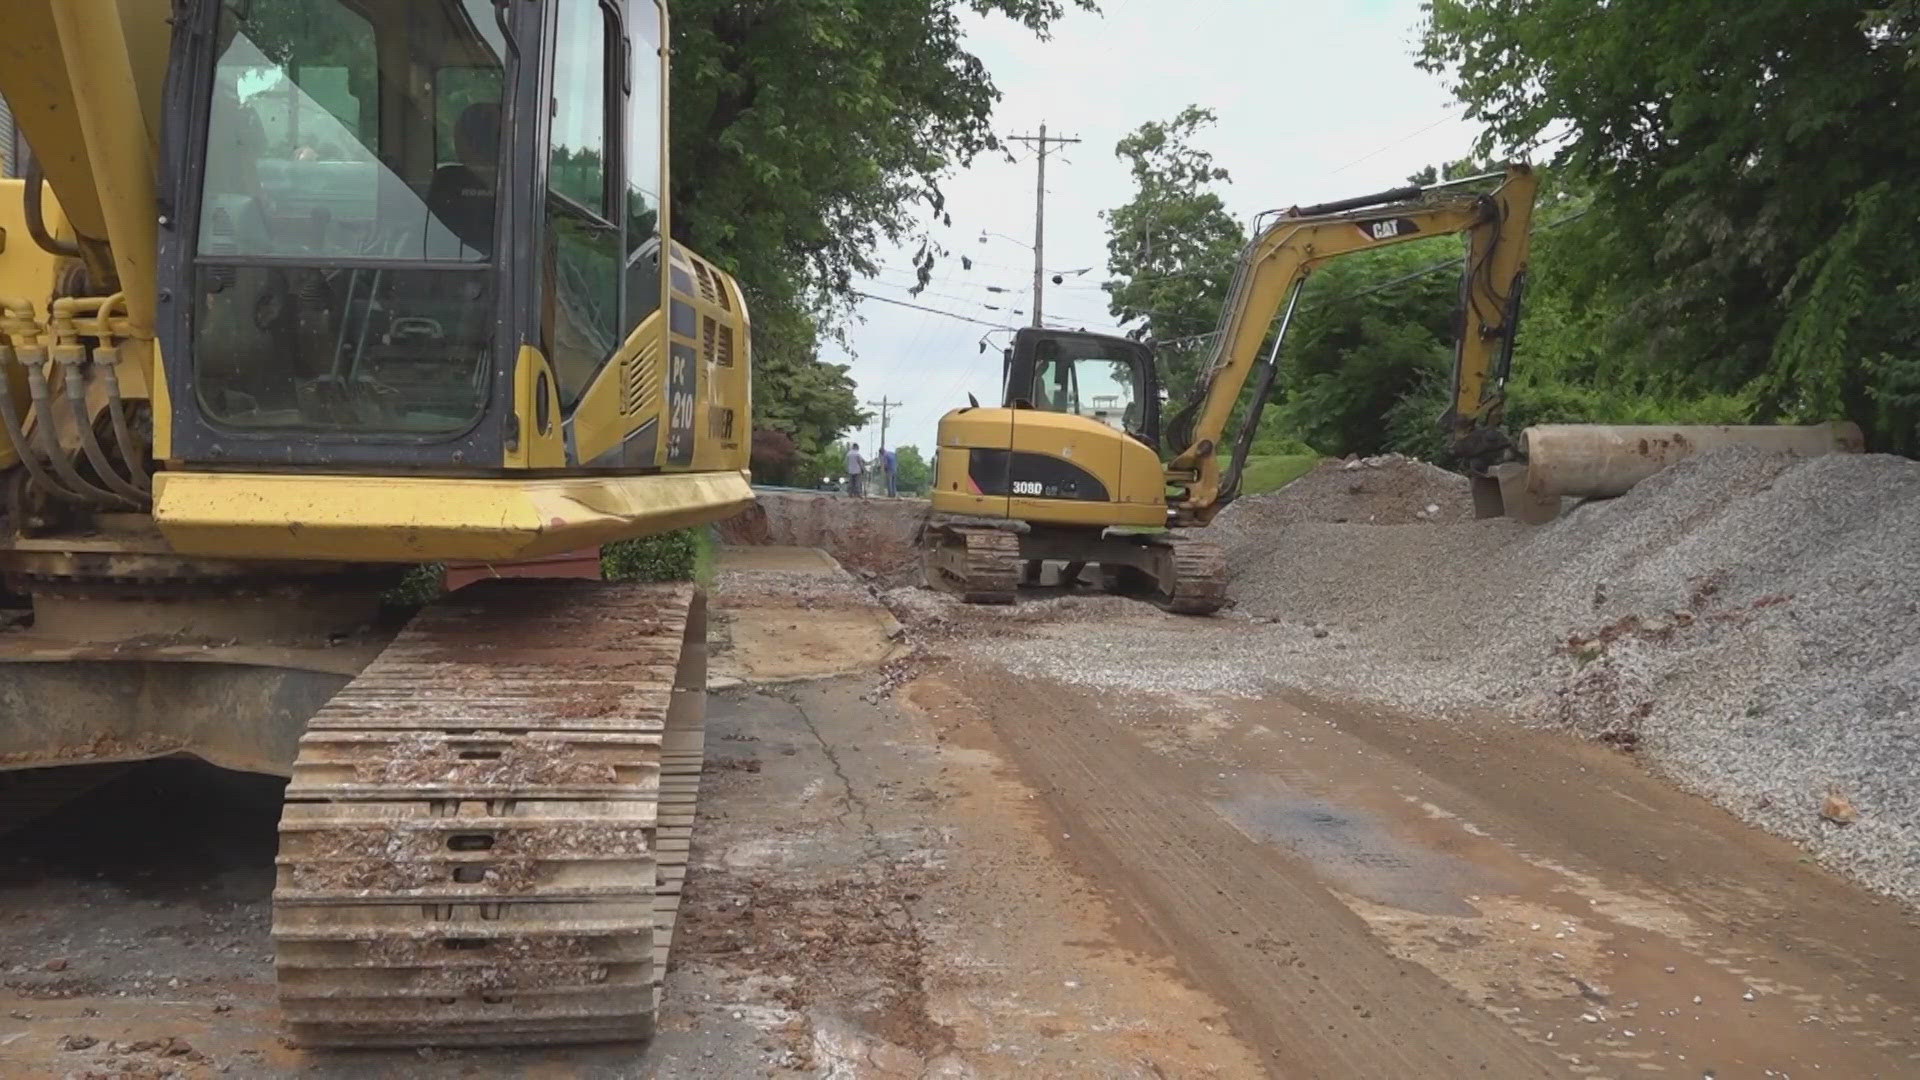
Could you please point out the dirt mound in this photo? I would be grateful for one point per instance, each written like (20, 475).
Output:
(1386, 490)
(877, 536)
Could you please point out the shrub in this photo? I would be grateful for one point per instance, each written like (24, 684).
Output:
(671, 556)
(419, 586)
(774, 456)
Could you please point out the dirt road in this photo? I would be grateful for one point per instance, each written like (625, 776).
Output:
(1378, 896)
(932, 868)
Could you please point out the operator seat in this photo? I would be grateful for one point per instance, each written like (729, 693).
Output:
(461, 196)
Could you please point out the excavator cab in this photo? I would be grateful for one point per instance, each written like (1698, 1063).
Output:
(1108, 379)
(359, 240)
(425, 238)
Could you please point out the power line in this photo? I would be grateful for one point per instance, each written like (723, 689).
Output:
(969, 300)
(928, 310)
(1436, 267)
(1394, 143)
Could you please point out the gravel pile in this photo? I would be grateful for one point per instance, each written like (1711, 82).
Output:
(1386, 490)
(1749, 623)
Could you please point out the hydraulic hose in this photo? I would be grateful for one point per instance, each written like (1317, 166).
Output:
(31, 358)
(107, 359)
(1250, 427)
(69, 358)
(10, 419)
(36, 216)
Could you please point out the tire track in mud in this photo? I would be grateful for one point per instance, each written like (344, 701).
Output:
(1301, 974)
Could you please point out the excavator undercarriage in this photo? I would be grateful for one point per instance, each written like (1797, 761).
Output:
(490, 806)
(486, 832)
(988, 563)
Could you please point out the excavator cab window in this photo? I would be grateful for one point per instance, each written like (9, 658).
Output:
(582, 301)
(342, 280)
(1107, 379)
(380, 202)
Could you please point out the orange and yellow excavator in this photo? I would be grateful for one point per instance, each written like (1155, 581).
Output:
(295, 294)
(1070, 468)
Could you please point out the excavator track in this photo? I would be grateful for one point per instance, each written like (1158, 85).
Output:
(1199, 585)
(486, 832)
(980, 563)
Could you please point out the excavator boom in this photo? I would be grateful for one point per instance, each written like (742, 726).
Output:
(1276, 263)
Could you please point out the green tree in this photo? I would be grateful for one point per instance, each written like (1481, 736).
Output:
(794, 391)
(914, 476)
(774, 456)
(1751, 164)
(1366, 335)
(1172, 247)
(806, 133)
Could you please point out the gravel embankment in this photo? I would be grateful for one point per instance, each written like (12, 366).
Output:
(1750, 623)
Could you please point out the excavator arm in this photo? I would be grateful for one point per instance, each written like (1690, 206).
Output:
(1276, 264)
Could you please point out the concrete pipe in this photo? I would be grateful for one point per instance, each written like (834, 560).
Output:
(1602, 460)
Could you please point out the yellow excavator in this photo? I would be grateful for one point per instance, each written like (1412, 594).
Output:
(296, 294)
(1069, 468)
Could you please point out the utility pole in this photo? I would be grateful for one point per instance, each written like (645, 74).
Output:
(885, 407)
(1046, 143)
(880, 455)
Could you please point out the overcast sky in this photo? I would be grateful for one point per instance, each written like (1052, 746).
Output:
(1317, 99)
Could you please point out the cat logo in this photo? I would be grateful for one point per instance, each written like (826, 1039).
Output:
(1388, 228)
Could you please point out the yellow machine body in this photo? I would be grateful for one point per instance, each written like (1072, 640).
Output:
(1046, 467)
(205, 410)
(1191, 487)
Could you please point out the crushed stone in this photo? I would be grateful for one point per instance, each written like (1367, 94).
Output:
(1391, 489)
(811, 588)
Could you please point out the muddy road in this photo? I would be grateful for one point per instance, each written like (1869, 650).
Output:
(929, 868)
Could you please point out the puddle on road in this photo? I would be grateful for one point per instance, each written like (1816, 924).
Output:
(1353, 850)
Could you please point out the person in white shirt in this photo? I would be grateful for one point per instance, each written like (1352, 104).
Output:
(856, 471)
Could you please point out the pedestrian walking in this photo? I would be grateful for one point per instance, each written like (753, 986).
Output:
(890, 465)
(856, 471)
